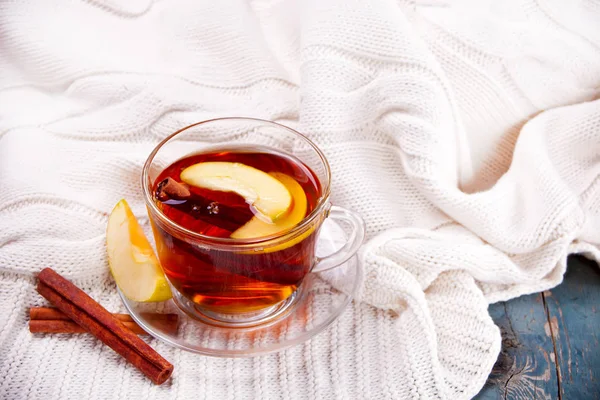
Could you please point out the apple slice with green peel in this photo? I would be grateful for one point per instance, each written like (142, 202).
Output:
(257, 228)
(131, 259)
(266, 194)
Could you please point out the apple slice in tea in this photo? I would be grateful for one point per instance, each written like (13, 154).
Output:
(264, 192)
(258, 228)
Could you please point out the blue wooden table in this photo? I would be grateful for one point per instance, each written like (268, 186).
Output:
(550, 341)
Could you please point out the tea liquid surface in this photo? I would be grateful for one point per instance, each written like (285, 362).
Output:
(224, 281)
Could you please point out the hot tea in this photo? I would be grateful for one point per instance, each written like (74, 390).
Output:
(239, 193)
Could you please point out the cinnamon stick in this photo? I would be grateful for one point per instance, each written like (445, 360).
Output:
(49, 313)
(68, 326)
(52, 320)
(95, 319)
(170, 189)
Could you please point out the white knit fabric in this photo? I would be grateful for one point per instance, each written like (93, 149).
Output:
(466, 133)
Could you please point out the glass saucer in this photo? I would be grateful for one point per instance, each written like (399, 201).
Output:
(318, 302)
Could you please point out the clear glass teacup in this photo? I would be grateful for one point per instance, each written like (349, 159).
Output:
(220, 273)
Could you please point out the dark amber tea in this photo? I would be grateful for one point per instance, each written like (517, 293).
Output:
(239, 194)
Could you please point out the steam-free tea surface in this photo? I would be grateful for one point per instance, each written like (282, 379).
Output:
(224, 281)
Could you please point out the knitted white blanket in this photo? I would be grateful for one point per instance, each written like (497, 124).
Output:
(467, 135)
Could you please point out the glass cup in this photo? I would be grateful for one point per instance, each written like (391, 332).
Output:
(243, 282)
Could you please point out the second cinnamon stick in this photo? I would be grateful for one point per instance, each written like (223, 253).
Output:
(68, 326)
(52, 320)
(49, 313)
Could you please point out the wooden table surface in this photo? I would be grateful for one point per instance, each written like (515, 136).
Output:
(550, 341)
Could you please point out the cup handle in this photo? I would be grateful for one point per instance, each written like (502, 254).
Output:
(356, 235)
